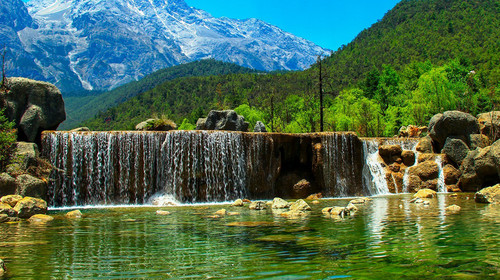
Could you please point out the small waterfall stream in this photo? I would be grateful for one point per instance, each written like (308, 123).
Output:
(373, 172)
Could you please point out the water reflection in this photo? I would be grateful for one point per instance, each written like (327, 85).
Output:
(389, 237)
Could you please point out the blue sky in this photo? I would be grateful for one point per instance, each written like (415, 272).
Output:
(328, 23)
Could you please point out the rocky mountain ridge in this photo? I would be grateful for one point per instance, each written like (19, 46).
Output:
(98, 45)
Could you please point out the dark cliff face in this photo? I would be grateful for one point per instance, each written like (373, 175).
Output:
(194, 166)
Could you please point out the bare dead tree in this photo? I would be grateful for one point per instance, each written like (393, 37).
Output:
(5, 83)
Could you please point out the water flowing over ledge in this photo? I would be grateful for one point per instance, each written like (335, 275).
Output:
(106, 168)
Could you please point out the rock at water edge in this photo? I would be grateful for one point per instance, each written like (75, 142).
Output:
(489, 195)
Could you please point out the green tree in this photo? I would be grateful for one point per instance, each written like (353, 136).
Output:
(7, 140)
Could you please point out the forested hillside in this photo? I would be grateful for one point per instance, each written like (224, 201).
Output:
(423, 57)
(80, 108)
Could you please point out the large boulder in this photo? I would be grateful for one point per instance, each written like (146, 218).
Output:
(489, 124)
(408, 157)
(427, 170)
(30, 206)
(451, 174)
(425, 145)
(390, 152)
(31, 186)
(479, 141)
(27, 152)
(7, 210)
(302, 189)
(11, 200)
(222, 120)
(489, 195)
(480, 168)
(33, 106)
(7, 184)
(455, 149)
(452, 123)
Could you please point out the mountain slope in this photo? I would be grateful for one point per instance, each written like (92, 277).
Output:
(80, 108)
(420, 52)
(416, 31)
(99, 45)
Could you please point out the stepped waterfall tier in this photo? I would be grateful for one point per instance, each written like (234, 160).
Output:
(106, 168)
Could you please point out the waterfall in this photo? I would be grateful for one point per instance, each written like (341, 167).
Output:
(102, 168)
(97, 168)
(441, 187)
(374, 181)
(340, 167)
(203, 166)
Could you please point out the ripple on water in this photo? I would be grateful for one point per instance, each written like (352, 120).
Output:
(384, 240)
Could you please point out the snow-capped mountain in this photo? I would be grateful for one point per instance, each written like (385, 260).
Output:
(100, 44)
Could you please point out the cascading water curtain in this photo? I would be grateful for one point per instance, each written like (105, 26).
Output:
(102, 167)
(340, 163)
(204, 166)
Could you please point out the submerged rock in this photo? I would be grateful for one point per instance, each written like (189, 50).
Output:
(221, 212)
(279, 203)
(258, 205)
(277, 238)
(425, 193)
(40, 218)
(162, 213)
(360, 200)
(294, 214)
(489, 195)
(237, 203)
(251, 224)
(76, 214)
(453, 208)
(300, 205)
(315, 196)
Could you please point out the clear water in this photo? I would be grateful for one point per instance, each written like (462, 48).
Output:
(388, 239)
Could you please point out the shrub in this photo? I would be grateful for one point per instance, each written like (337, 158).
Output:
(7, 140)
(162, 124)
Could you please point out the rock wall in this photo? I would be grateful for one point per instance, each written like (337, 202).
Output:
(196, 166)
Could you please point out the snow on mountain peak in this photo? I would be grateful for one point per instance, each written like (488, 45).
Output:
(100, 44)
